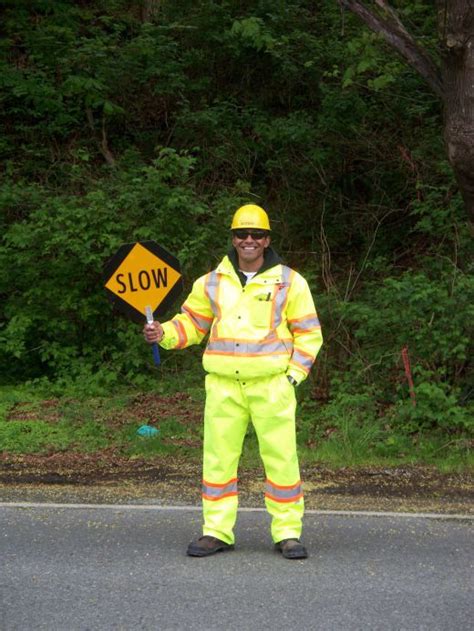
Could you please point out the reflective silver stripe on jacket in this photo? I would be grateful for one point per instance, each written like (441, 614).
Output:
(182, 337)
(285, 493)
(281, 295)
(218, 491)
(211, 288)
(238, 347)
(305, 324)
(304, 360)
(201, 323)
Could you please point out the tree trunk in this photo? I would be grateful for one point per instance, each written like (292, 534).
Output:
(456, 21)
(453, 82)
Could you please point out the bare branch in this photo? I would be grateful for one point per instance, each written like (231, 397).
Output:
(394, 32)
(102, 145)
(386, 8)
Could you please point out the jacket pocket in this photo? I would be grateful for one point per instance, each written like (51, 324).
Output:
(261, 309)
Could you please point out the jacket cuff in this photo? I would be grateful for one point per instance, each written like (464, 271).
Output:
(170, 337)
(297, 375)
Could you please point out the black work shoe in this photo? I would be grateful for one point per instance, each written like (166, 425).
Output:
(292, 549)
(204, 546)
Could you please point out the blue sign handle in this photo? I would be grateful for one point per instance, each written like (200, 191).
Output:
(156, 354)
(154, 346)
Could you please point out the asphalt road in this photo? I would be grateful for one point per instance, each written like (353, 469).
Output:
(125, 568)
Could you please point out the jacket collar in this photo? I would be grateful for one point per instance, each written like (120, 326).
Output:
(270, 259)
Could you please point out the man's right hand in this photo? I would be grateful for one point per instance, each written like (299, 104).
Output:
(153, 332)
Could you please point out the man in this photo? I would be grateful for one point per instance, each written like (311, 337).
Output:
(264, 335)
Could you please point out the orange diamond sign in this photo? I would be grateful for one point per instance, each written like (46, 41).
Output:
(140, 275)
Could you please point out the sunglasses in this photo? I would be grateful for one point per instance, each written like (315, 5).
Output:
(257, 235)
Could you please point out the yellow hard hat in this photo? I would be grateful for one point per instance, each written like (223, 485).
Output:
(250, 216)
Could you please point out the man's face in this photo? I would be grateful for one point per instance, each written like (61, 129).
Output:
(250, 245)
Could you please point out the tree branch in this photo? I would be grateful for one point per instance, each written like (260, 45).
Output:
(394, 32)
(102, 145)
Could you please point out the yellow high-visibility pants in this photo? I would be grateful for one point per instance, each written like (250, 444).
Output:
(270, 404)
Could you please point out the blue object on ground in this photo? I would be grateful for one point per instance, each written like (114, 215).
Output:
(147, 431)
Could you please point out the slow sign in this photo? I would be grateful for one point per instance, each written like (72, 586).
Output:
(143, 274)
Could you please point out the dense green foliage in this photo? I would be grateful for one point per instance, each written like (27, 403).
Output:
(121, 124)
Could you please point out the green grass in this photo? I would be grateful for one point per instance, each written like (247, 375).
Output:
(32, 421)
(359, 449)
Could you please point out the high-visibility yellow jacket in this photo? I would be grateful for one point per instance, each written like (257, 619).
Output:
(267, 326)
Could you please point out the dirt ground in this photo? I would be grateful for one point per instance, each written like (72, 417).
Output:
(107, 477)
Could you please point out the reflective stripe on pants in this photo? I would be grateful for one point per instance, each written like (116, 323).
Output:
(270, 403)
